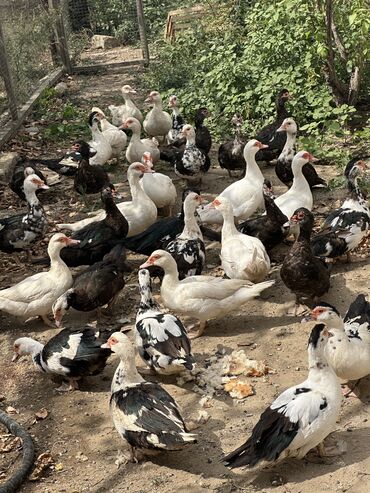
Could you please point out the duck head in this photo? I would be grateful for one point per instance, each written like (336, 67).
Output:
(173, 102)
(127, 90)
(119, 343)
(94, 119)
(192, 201)
(138, 169)
(237, 120)
(188, 132)
(289, 126)
(326, 313)
(303, 218)
(201, 114)
(355, 167)
(59, 241)
(82, 148)
(24, 346)
(283, 96)
(62, 305)
(223, 204)
(301, 158)
(154, 97)
(253, 146)
(147, 159)
(161, 258)
(131, 123)
(32, 183)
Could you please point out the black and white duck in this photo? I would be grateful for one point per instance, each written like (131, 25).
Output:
(188, 247)
(283, 166)
(143, 413)
(348, 351)
(192, 162)
(268, 135)
(203, 139)
(18, 232)
(161, 338)
(270, 228)
(98, 285)
(230, 154)
(22, 168)
(304, 274)
(300, 418)
(88, 178)
(177, 120)
(72, 354)
(345, 228)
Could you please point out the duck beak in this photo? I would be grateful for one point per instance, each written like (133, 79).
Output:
(147, 264)
(307, 318)
(15, 357)
(43, 187)
(71, 241)
(281, 128)
(149, 99)
(105, 346)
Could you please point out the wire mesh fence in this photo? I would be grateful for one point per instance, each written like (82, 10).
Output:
(39, 38)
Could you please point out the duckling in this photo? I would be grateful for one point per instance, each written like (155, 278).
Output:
(268, 135)
(73, 354)
(127, 110)
(35, 295)
(161, 338)
(88, 179)
(96, 286)
(99, 141)
(348, 351)
(18, 232)
(137, 146)
(283, 166)
(116, 138)
(344, 228)
(303, 273)
(242, 256)
(188, 247)
(157, 122)
(300, 418)
(230, 154)
(143, 413)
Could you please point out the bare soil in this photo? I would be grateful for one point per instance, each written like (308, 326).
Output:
(78, 432)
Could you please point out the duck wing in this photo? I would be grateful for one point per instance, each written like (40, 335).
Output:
(357, 318)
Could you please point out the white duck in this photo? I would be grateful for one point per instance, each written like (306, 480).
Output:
(99, 142)
(158, 187)
(140, 212)
(35, 295)
(242, 256)
(245, 195)
(300, 418)
(121, 113)
(299, 194)
(138, 146)
(201, 297)
(348, 351)
(116, 137)
(157, 122)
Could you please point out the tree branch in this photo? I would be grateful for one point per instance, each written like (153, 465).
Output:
(338, 42)
(354, 86)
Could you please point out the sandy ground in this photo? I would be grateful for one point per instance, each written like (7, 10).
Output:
(78, 431)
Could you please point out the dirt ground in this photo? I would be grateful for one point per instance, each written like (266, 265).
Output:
(78, 432)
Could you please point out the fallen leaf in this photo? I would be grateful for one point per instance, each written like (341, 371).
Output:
(58, 467)
(15, 443)
(43, 462)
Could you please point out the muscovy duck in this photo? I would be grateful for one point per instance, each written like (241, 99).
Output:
(157, 122)
(99, 142)
(88, 179)
(143, 413)
(22, 168)
(203, 139)
(242, 256)
(300, 418)
(73, 354)
(201, 297)
(344, 228)
(230, 154)
(268, 135)
(192, 162)
(177, 120)
(18, 232)
(137, 146)
(116, 138)
(303, 273)
(96, 286)
(283, 166)
(35, 295)
(161, 338)
(121, 113)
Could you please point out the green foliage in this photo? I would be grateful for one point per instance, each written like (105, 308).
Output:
(243, 53)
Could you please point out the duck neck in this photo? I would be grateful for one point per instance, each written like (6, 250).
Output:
(355, 191)
(158, 106)
(34, 348)
(190, 140)
(252, 169)
(228, 226)
(300, 183)
(137, 192)
(304, 234)
(31, 197)
(289, 147)
(281, 112)
(170, 278)
(146, 298)
(126, 373)
(96, 133)
(136, 131)
(175, 111)
(56, 263)
(128, 101)
(318, 364)
(336, 323)
(191, 229)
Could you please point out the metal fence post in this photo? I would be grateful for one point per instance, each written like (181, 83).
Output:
(56, 6)
(8, 81)
(142, 31)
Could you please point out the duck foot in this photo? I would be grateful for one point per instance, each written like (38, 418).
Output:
(297, 310)
(338, 448)
(194, 334)
(68, 387)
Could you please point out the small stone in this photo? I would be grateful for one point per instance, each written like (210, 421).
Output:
(104, 42)
(61, 88)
